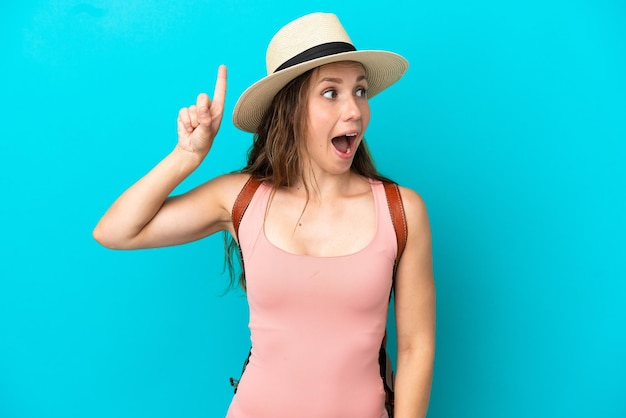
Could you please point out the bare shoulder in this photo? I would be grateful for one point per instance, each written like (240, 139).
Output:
(228, 184)
(411, 197)
(414, 205)
(225, 188)
(418, 224)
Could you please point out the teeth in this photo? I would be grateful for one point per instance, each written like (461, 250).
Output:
(348, 150)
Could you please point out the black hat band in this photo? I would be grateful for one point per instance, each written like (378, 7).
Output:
(318, 51)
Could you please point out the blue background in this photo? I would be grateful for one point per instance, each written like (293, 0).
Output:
(510, 122)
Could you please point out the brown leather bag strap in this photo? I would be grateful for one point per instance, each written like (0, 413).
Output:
(242, 202)
(396, 209)
(398, 219)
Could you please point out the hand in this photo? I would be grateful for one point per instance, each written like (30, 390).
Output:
(198, 124)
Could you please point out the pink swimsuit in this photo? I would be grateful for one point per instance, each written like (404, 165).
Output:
(316, 324)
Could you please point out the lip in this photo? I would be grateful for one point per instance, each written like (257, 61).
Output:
(353, 136)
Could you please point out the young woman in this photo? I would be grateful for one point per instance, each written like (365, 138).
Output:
(317, 239)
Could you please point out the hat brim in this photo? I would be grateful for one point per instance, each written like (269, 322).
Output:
(382, 69)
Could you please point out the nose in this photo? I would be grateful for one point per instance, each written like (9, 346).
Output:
(351, 111)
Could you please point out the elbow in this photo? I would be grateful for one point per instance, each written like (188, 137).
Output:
(422, 350)
(100, 236)
(106, 239)
(419, 347)
(420, 358)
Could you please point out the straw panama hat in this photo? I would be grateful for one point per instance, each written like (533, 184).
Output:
(303, 44)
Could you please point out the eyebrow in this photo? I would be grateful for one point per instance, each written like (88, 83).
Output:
(339, 80)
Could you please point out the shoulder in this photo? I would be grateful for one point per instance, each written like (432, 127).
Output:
(225, 187)
(415, 209)
(231, 182)
(411, 199)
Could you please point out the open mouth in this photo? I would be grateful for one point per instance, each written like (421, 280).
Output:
(344, 143)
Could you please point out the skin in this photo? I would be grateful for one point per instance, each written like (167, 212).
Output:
(337, 104)
(337, 219)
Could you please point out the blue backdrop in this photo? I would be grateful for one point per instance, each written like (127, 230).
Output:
(510, 122)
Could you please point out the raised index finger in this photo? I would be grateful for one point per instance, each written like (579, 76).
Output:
(219, 95)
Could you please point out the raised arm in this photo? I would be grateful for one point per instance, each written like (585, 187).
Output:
(143, 216)
(415, 313)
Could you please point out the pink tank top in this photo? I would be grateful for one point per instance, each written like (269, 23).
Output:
(316, 324)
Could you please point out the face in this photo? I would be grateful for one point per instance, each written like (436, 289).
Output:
(338, 114)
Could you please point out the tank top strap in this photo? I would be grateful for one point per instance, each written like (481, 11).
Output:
(253, 219)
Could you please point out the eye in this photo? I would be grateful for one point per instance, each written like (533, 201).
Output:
(329, 94)
(361, 92)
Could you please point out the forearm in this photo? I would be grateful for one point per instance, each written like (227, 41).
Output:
(413, 382)
(134, 209)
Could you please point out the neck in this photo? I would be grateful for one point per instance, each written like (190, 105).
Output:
(325, 186)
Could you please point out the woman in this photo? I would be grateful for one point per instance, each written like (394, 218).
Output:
(317, 240)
